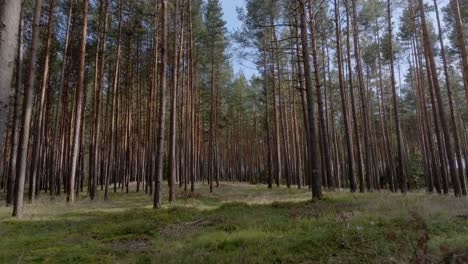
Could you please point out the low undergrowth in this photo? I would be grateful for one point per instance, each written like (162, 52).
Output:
(241, 223)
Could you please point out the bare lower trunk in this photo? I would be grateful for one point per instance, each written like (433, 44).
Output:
(400, 170)
(173, 132)
(10, 17)
(78, 105)
(16, 116)
(162, 109)
(442, 116)
(27, 114)
(312, 134)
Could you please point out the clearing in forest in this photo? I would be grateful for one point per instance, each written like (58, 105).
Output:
(240, 223)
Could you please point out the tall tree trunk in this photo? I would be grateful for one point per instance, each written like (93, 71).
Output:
(387, 149)
(357, 137)
(344, 108)
(312, 134)
(400, 170)
(346, 119)
(98, 86)
(212, 146)
(276, 60)
(112, 155)
(440, 175)
(453, 121)
(10, 17)
(27, 114)
(192, 143)
(269, 169)
(162, 109)
(78, 105)
(318, 86)
(61, 109)
(276, 134)
(40, 135)
(16, 115)
(364, 107)
(442, 116)
(461, 42)
(173, 132)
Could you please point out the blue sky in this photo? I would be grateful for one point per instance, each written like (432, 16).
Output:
(248, 68)
(230, 15)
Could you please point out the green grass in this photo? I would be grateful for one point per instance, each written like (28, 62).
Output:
(240, 223)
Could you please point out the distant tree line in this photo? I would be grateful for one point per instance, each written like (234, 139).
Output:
(104, 95)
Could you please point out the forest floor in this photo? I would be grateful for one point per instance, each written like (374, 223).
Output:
(240, 223)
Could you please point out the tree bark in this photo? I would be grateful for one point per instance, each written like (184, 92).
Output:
(312, 134)
(173, 132)
(10, 17)
(344, 108)
(400, 170)
(318, 86)
(27, 114)
(16, 115)
(162, 109)
(442, 116)
(453, 122)
(364, 106)
(461, 43)
(78, 105)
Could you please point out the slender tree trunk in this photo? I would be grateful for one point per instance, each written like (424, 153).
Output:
(461, 42)
(442, 116)
(212, 147)
(453, 122)
(78, 104)
(318, 87)
(192, 143)
(27, 114)
(364, 106)
(162, 108)
(357, 137)
(387, 148)
(277, 150)
(16, 116)
(315, 176)
(61, 109)
(173, 132)
(40, 135)
(400, 170)
(282, 117)
(440, 172)
(98, 86)
(269, 169)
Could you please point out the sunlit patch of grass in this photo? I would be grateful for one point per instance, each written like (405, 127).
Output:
(239, 223)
